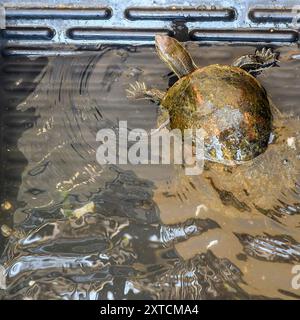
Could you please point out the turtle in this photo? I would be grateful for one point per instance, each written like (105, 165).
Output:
(226, 101)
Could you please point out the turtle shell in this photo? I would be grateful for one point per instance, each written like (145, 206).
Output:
(229, 104)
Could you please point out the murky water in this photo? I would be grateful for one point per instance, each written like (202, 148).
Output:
(149, 231)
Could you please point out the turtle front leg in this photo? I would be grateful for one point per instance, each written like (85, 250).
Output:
(258, 62)
(139, 91)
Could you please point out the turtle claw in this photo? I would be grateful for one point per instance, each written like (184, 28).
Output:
(256, 63)
(267, 55)
(137, 91)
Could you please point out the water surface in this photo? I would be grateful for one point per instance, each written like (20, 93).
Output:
(153, 232)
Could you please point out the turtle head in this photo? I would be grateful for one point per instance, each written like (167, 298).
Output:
(165, 45)
(174, 55)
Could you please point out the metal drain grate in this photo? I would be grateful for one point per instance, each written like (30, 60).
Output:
(32, 28)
